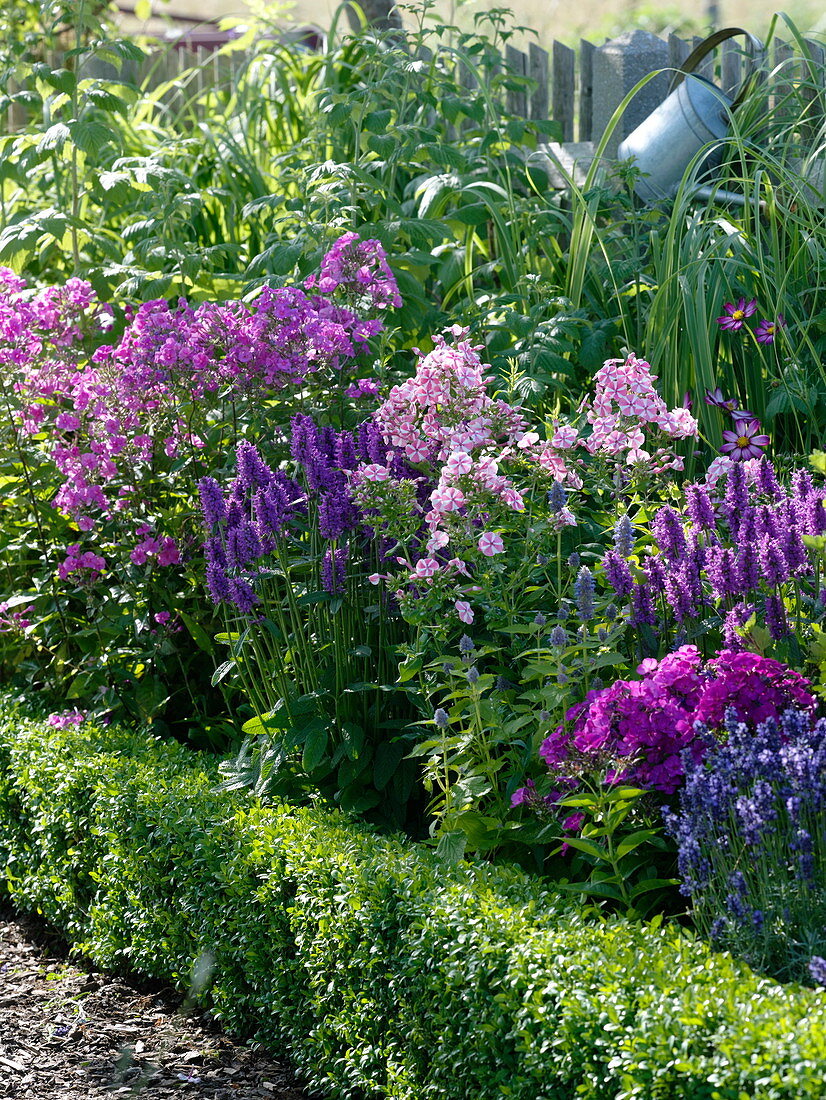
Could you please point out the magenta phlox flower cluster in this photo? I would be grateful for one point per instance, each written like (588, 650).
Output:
(86, 563)
(66, 719)
(641, 729)
(359, 270)
(755, 688)
(625, 406)
(738, 541)
(14, 619)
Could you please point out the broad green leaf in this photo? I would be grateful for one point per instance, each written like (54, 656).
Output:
(315, 744)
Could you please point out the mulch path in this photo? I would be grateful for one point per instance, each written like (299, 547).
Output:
(69, 1032)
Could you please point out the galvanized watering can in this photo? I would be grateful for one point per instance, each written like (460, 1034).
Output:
(695, 113)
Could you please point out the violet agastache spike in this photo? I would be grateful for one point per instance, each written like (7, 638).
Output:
(767, 480)
(253, 472)
(212, 502)
(773, 565)
(667, 528)
(218, 583)
(737, 496)
(584, 593)
(617, 573)
(699, 508)
(642, 606)
(624, 536)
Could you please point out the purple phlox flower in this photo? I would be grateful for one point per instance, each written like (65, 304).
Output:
(735, 314)
(767, 330)
(746, 441)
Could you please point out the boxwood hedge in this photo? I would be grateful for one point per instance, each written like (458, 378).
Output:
(380, 971)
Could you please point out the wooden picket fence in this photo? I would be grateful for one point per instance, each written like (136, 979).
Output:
(578, 88)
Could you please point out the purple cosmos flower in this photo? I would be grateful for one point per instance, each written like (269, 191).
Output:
(767, 330)
(746, 441)
(727, 404)
(736, 313)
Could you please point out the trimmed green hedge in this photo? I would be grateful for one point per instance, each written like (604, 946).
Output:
(380, 971)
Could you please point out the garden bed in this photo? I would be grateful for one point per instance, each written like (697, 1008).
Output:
(381, 970)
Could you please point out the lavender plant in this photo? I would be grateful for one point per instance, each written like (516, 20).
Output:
(752, 844)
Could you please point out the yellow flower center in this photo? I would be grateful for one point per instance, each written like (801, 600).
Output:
(742, 441)
(738, 315)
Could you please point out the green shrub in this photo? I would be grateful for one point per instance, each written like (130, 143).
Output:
(381, 971)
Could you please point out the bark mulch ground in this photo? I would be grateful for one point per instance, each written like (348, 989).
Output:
(68, 1032)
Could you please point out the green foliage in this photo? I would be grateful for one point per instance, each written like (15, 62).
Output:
(380, 969)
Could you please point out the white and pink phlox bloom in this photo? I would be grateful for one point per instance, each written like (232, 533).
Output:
(425, 568)
(490, 543)
(447, 498)
(464, 611)
(459, 463)
(564, 438)
(437, 541)
(375, 471)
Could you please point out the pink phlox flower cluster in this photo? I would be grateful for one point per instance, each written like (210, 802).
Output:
(85, 562)
(444, 407)
(624, 403)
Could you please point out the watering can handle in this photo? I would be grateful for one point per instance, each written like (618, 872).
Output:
(756, 51)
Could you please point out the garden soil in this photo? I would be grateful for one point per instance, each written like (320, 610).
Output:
(68, 1032)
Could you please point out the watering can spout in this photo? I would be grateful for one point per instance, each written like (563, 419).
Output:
(696, 113)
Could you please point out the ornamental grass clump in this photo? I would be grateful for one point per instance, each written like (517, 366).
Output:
(752, 843)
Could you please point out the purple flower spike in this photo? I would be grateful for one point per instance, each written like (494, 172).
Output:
(767, 330)
(746, 441)
(735, 314)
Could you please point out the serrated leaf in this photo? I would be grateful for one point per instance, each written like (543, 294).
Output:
(54, 139)
(451, 846)
(90, 136)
